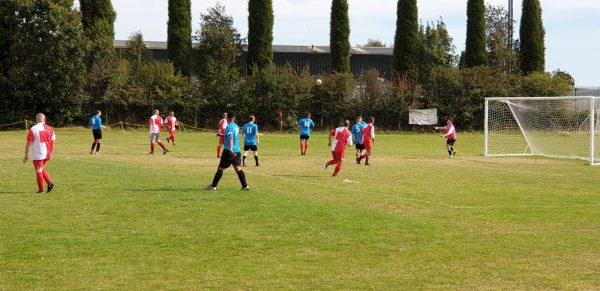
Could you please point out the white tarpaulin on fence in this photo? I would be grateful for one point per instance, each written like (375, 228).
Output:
(423, 116)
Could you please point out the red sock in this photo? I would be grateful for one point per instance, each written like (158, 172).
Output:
(40, 181)
(305, 148)
(46, 177)
(367, 158)
(332, 162)
(152, 147)
(162, 145)
(301, 147)
(219, 150)
(337, 169)
(173, 139)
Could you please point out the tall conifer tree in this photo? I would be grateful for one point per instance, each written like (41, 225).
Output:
(532, 34)
(406, 42)
(339, 37)
(260, 33)
(179, 35)
(475, 48)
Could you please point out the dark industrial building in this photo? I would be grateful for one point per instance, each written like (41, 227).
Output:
(316, 58)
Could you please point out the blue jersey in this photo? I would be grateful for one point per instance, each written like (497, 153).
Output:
(95, 122)
(305, 125)
(250, 132)
(232, 131)
(357, 130)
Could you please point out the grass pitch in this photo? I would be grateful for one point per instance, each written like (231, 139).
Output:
(414, 219)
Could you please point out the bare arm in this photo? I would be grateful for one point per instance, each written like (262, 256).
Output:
(257, 137)
(329, 141)
(27, 148)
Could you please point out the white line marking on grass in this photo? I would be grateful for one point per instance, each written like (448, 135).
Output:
(430, 202)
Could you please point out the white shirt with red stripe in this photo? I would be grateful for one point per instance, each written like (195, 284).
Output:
(42, 137)
(450, 131)
(222, 126)
(368, 133)
(171, 123)
(155, 123)
(343, 137)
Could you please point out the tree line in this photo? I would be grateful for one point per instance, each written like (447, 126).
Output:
(62, 61)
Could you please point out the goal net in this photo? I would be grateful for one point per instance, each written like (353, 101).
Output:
(560, 127)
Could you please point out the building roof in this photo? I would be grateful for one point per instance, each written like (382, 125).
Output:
(297, 49)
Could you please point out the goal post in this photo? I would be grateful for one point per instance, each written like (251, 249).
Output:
(559, 127)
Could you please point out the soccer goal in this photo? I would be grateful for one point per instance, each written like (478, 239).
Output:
(559, 127)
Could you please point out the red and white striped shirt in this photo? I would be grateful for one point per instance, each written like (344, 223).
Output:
(155, 123)
(368, 133)
(171, 123)
(41, 136)
(222, 126)
(343, 137)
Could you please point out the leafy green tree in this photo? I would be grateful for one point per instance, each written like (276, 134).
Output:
(435, 49)
(339, 37)
(406, 42)
(532, 35)
(542, 84)
(179, 35)
(47, 66)
(502, 54)
(217, 59)
(475, 48)
(374, 43)
(139, 84)
(98, 18)
(260, 33)
(8, 24)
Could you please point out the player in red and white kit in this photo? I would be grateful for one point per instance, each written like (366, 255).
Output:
(222, 126)
(156, 123)
(40, 139)
(343, 138)
(368, 140)
(171, 122)
(450, 135)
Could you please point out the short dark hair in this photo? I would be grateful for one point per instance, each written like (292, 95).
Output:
(231, 115)
(252, 118)
(98, 111)
(371, 119)
(346, 123)
(307, 114)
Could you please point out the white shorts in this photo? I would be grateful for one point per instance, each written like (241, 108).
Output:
(154, 137)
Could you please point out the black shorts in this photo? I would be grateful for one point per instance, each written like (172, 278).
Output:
(360, 146)
(306, 137)
(97, 133)
(450, 141)
(227, 160)
(249, 147)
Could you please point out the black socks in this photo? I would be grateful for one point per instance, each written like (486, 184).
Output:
(218, 176)
(242, 178)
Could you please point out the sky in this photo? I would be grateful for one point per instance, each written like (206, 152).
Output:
(572, 27)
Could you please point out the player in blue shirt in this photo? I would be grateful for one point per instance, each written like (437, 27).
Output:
(305, 124)
(357, 130)
(230, 156)
(96, 124)
(251, 140)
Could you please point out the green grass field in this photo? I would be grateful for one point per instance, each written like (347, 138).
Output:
(413, 220)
